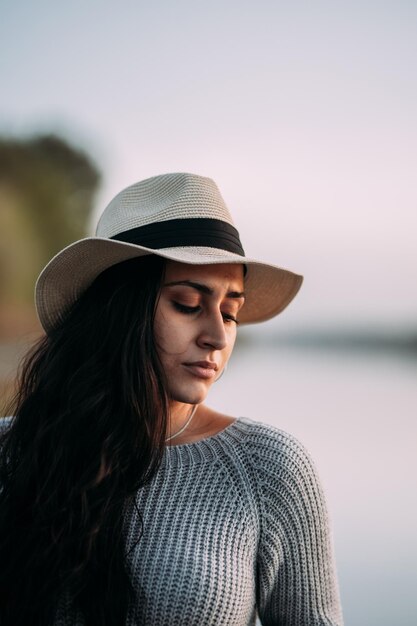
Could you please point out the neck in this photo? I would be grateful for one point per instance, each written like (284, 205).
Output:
(178, 417)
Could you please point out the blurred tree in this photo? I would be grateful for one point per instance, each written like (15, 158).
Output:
(47, 189)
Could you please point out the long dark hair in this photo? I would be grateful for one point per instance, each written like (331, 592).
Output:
(89, 427)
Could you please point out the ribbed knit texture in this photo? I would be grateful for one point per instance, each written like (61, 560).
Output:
(233, 524)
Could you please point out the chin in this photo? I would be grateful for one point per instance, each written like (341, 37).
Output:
(190, 396)
(190, 399)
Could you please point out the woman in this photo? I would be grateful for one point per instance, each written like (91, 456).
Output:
(125, 499)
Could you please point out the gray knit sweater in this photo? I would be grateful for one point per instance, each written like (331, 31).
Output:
(233, 525)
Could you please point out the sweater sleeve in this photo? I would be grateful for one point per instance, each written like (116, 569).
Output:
(296, 577)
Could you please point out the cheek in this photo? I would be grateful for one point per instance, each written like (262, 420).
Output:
(171, 337)
(231, 345)
(161, 334)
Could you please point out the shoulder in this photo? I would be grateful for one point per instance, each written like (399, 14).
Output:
(271, 444)
(287, 483)
(282, 467)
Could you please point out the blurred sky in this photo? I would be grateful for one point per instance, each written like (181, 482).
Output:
(303, 112)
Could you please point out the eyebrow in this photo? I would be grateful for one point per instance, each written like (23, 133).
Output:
(204, 288)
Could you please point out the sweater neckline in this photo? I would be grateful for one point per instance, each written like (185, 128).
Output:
(204, 449)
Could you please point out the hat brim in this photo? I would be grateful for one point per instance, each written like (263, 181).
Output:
(269, 289)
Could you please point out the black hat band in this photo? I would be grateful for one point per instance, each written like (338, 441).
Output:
(185, 232)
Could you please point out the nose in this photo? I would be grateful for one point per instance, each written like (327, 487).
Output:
(213, 333)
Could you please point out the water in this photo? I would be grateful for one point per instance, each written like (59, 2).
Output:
(356, 413)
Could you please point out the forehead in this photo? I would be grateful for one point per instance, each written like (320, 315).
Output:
(223, 274)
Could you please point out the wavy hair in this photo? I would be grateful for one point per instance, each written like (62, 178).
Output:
(89, 427)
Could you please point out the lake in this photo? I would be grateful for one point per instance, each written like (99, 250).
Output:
(356, 412)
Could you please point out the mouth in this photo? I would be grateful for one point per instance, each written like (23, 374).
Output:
(202, 369)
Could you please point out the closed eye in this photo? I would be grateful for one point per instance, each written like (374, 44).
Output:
(186, 309)
(189, 310)
(229, 318)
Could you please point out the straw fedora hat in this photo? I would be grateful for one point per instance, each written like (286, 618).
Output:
(181, 217)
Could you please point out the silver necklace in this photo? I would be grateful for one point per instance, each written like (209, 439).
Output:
(187, 423)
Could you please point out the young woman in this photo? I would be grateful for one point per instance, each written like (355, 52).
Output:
(124, 499)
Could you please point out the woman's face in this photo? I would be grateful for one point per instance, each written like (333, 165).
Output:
(195, 325)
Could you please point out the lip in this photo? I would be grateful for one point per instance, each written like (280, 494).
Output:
(202, 369)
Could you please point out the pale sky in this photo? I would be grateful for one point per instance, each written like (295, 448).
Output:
(304, 113)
